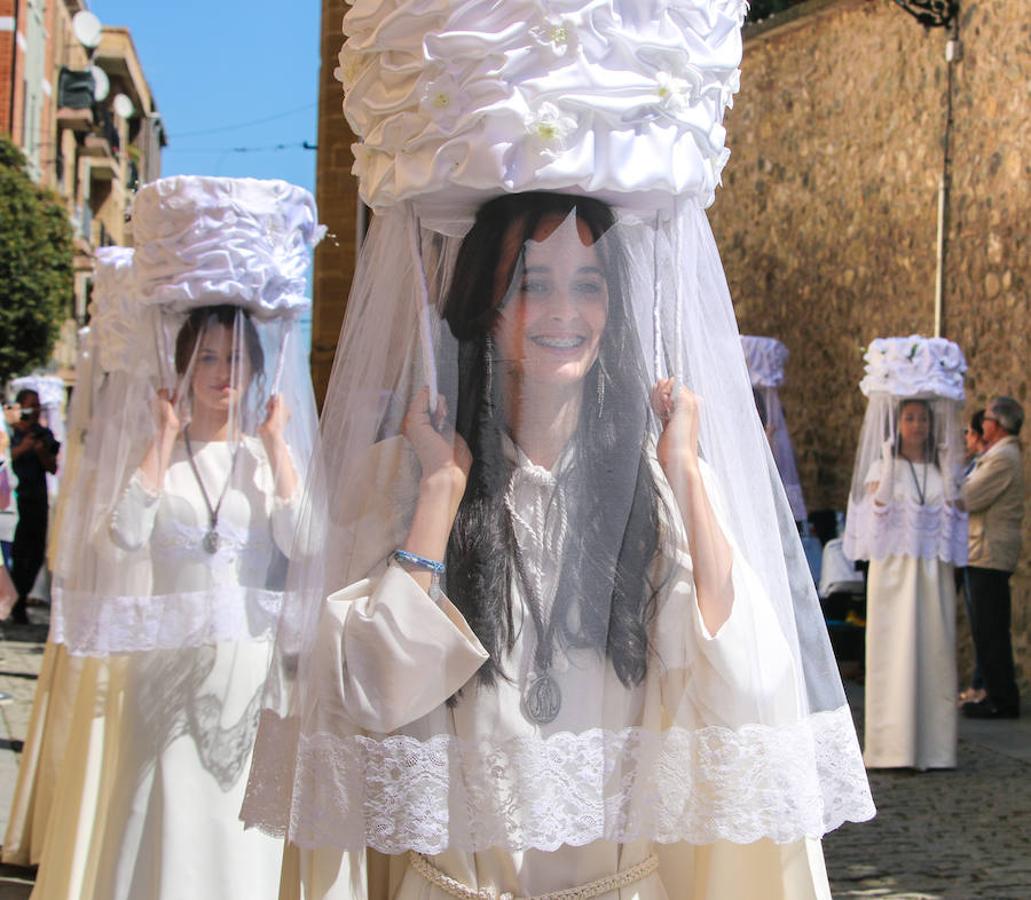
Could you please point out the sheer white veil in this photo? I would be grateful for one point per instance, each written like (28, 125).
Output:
(218, 274)
(928, 373)
(465, 216)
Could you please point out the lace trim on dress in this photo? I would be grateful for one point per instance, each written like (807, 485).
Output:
(91, 625)
(906, 528)
(399, 793)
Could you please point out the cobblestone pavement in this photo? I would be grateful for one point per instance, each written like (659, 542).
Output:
(21, 655)
(963, 834)
(960, 834)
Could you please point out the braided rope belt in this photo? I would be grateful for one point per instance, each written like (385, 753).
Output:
(455, 888)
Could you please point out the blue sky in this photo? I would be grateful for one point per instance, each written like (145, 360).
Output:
(220, 64)
(230, 74)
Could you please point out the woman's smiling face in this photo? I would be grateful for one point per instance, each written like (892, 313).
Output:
(552, 320)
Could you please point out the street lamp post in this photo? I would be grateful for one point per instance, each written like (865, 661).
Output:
(941, 14)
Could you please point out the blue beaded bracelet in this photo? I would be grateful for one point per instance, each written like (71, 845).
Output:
(420, 562)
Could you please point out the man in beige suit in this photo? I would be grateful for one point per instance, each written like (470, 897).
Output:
(994, 497)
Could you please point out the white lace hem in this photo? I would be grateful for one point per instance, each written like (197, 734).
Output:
(906, 528)
(90, 625)
(398, 793)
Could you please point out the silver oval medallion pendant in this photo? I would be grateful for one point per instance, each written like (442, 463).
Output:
(542, 700)
(211, 541)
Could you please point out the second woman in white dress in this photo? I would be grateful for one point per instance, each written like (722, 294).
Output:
(904, 519)
(190, 524)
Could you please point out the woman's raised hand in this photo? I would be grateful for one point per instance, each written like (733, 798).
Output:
(442, 453)
(277, 415)
(678, 409)
(166, 420)
(445, 460)
(165, 417)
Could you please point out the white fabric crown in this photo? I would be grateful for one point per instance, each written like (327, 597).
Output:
(240, 241)
(766, 358)
(914, 366)
(455, 101)
(49, 388)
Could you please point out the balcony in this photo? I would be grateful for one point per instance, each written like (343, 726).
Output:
(79, 120)
(96, 146)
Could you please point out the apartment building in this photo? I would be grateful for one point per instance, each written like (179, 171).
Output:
(87, 122)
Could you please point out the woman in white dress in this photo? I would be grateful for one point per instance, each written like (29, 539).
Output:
(58, 728)
(767, 360)
(550, 628)
(190, 714)
(534, 586)
(908, 526)
(190, 525)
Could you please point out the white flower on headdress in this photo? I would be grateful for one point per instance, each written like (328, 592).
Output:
(351, 65)
(442, 100)
(674, 92)
(550, 128)
(557, 34)
(362, 158)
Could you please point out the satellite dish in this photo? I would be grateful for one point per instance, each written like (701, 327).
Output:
(101, 83)
(123, 106)
(87, 29)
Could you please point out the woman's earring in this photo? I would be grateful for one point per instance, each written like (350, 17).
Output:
(601, 392)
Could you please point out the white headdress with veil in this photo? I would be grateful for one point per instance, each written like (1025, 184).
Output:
(926, 373)
(500, 145)
(207, 305)
(767, 359)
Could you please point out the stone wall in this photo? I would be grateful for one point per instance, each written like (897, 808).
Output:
(827, 220)
(336, 192)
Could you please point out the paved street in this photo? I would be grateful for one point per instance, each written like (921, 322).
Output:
(21, 655)
(963, 834)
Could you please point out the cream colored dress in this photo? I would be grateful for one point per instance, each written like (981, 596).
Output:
(173, 782)
(391, 656)
(39, 762)
(82, 783)
(911, 680)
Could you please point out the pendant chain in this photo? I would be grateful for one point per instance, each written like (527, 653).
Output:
(921, 492)
(211, 538)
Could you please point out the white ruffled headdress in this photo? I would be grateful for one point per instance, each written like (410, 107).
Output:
(240, 241)
(914, 366)
(621, 99)
(931, 526)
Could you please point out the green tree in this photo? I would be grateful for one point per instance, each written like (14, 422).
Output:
(36, 275)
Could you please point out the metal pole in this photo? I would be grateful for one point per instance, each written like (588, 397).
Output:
(953, 53)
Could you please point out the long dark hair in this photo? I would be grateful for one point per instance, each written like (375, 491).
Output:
(605, 599)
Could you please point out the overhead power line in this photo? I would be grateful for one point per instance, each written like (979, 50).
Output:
(270, 148)
(223, 128)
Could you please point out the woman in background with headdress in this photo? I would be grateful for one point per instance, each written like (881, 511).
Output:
(767, 359)
(903, 518)
(191, 527)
